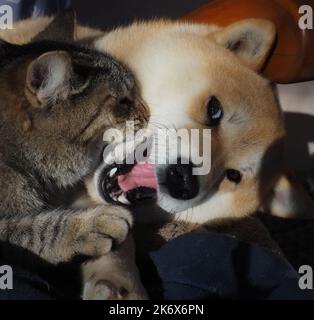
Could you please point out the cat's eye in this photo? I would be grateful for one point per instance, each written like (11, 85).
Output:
(214, 112)
(234, 176)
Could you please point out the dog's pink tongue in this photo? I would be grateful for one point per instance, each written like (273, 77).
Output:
(141, 175)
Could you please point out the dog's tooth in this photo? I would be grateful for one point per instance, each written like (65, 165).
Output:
(122, 198)
(112, 172)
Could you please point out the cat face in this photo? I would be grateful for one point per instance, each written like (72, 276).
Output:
(59, 101)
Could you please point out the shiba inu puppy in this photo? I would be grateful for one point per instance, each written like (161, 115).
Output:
(204, 77)
(199, 76)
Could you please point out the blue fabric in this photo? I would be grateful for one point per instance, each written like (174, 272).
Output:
(23, 9)
(26, 286)
(197, 266)
(214, 266)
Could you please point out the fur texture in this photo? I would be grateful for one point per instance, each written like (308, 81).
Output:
(56, 102)
(180, 66)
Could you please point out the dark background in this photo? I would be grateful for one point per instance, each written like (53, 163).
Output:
(108, 14)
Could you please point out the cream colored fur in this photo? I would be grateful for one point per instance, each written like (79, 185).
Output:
(179, 66)
(114, 276)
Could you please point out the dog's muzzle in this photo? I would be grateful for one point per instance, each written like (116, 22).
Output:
(128, 183)
(180, 181)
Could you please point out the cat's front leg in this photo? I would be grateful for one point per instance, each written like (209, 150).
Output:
(59, 235)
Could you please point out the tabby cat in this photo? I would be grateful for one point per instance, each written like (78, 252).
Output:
(56, 101)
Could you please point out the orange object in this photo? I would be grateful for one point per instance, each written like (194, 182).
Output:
(292, 59)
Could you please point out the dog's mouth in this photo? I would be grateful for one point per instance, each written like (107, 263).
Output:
(129, 183)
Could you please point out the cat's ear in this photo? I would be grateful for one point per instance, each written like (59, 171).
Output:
(250, 39)
(289, 200)
(48, 78)
(62, 28)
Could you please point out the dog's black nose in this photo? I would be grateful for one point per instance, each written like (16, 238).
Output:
(181, 182)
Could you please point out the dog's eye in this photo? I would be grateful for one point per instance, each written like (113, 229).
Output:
(214, 111)
(234, 175)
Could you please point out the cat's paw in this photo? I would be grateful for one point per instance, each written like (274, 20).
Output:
(99, 229)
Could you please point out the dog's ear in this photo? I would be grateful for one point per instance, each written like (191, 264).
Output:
(62, 28)
(289, 199)
(48, 78)
(251, 40)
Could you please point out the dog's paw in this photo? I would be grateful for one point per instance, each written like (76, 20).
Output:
(107, 290)
(99, 229)
(104, 290)
(114, 276)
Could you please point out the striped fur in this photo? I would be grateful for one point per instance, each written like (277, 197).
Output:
(46, 149)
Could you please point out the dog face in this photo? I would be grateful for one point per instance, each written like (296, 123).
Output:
(215, 92)
(194, 79)
(197, 77)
